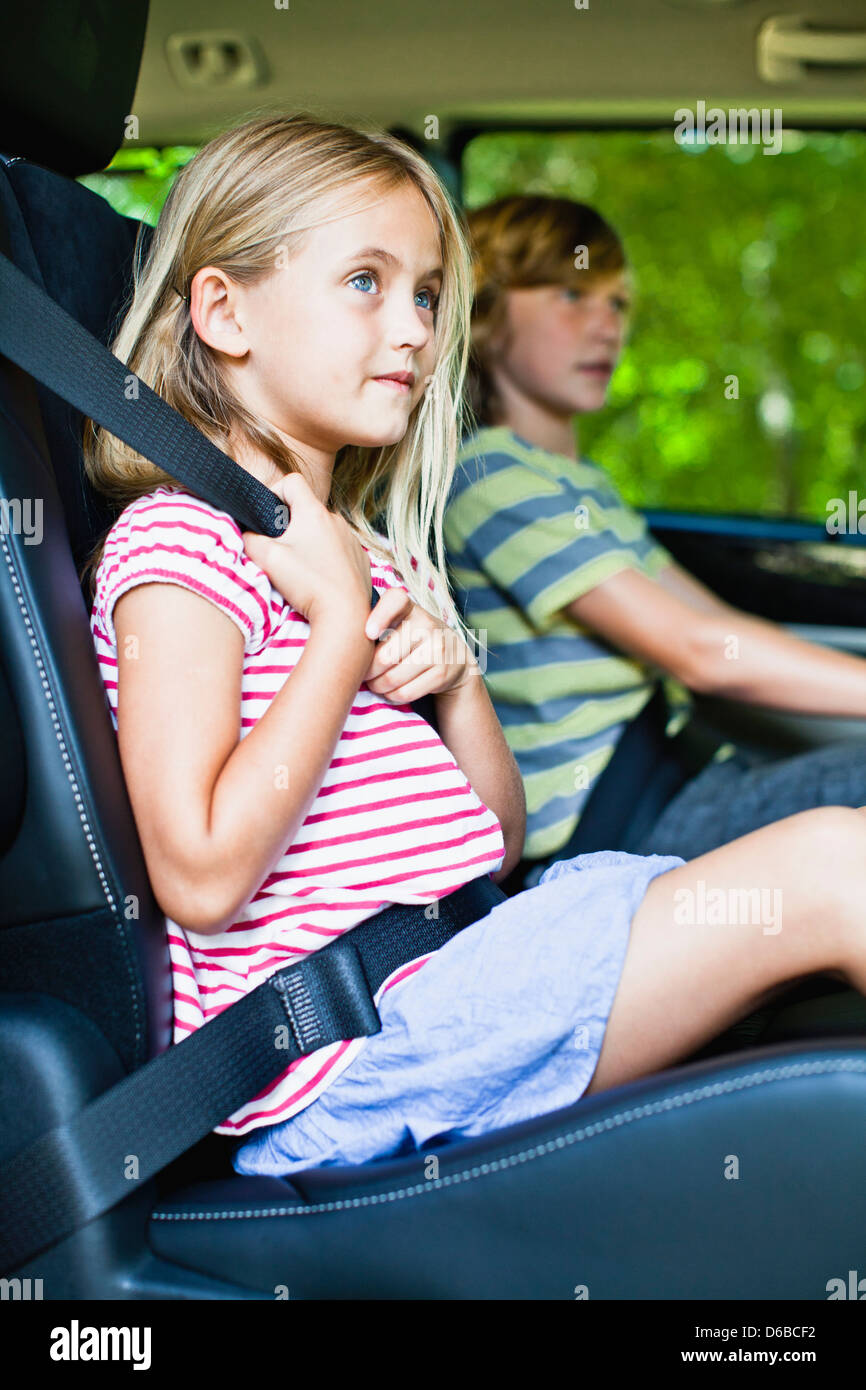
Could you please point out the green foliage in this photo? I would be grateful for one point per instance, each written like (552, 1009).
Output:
(137, 181)
(746, 265)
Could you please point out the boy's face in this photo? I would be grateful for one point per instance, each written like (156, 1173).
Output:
(322, 329)
(560, 344)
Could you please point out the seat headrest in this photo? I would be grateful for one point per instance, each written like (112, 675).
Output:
(68, 73)
(72, 243)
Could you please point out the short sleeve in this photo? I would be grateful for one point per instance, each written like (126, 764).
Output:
(178, 539)
(542, 539)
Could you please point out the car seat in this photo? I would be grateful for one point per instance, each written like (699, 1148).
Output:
(623, 1195)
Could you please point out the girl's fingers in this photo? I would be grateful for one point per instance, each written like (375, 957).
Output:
(387, 682)
(408, 658)
(399, 641)
(393, 606)
(401, 648)
(413, 690)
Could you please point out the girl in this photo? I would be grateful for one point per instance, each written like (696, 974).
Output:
(305, 302)
(583, 608)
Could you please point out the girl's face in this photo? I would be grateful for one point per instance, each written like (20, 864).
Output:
(310, 344)
(560, 345)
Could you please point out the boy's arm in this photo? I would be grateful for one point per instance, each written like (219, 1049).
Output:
(722, 651)
(682, 584)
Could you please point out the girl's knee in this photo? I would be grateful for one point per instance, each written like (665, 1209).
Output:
(835, 834)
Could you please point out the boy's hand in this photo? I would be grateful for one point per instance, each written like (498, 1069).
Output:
(418, 654)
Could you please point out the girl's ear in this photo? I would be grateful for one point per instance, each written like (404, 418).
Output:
(213, 301)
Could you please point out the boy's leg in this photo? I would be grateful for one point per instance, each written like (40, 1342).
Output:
(732, 798)
(694, 967)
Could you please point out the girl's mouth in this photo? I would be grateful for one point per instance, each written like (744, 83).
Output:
(402, 386)
(398, 381)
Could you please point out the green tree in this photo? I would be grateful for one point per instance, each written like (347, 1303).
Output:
(746, 265)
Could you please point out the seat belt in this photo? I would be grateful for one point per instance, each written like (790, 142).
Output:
(80, 1169)
(646, 771)
(39, 336)
(639, 758)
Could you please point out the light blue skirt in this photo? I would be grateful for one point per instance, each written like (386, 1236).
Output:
(505, 1022)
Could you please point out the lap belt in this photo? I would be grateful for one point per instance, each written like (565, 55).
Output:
(77, 1171)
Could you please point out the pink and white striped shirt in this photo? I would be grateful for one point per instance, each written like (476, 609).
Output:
(395, 819)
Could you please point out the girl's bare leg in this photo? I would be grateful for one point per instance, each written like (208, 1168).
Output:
(685, 981)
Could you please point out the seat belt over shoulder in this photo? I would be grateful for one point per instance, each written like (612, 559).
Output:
(39, 336)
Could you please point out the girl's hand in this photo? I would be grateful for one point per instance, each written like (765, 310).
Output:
(419, 654)
(317, 564)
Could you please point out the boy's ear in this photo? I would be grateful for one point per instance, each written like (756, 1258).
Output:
(213, 298)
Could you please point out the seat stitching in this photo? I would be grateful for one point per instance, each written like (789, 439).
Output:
(70, 773)
(683, 1098)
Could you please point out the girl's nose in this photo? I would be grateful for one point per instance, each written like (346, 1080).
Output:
(409, 327)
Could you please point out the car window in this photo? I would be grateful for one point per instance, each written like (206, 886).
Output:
(137, 181)
(742, 387)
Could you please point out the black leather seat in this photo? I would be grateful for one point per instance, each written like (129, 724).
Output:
(624, 1193)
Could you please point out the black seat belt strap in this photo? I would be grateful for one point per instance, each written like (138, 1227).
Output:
(39, 336)
(79, 1170)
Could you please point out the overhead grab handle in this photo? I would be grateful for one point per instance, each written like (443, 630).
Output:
(789, 45)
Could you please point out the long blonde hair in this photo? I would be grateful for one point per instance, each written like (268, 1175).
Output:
(247, 194)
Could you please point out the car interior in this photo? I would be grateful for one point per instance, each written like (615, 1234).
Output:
(620, 1192)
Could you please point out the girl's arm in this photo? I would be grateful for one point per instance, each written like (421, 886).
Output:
(470, 730)
(215, 813)
(715, 649)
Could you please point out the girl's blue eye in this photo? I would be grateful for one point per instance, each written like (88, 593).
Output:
(362, 275)
(434, 299)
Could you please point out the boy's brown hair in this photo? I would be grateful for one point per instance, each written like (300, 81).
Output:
(526, 240)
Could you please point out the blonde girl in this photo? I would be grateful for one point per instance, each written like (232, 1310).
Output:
(304, 302)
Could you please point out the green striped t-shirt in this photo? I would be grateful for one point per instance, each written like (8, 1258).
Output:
(527, 532)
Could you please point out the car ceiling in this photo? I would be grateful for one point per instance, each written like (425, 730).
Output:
(486, 62)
